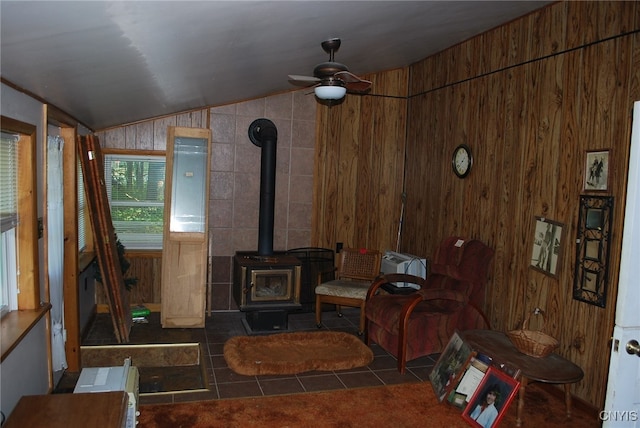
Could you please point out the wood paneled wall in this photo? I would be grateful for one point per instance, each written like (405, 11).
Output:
(360, 165)
(151, 134)
(146, 266)
(530, 98)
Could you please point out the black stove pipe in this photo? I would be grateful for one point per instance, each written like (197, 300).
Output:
(263, 133)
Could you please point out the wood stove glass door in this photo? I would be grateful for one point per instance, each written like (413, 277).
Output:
(184, 252)
(271, 285)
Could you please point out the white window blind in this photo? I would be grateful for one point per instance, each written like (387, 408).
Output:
(8, 180)
(8, 221)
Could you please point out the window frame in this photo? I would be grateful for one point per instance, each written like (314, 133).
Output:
(141, 155)
(15, 324)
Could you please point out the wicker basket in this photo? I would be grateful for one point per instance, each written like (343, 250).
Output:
(533, 342)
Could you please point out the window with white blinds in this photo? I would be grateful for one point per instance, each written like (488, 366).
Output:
(135, 189)
(8, 180)
(8, 221)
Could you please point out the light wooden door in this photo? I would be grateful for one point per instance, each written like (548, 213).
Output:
(185, 244)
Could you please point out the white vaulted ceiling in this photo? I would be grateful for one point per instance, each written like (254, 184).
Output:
(108, 63)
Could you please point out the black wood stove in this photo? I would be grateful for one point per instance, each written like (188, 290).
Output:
(266, 285)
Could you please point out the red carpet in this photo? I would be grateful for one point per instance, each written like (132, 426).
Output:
(405, 405)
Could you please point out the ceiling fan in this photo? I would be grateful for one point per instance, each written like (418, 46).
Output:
(332, 80)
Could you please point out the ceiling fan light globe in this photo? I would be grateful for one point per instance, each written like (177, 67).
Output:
(330, 92)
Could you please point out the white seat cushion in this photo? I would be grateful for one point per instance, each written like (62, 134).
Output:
(343, 288)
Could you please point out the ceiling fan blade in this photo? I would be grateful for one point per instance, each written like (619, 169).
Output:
(353, 83)
(347, 76)
(303, 80)
(358, 87)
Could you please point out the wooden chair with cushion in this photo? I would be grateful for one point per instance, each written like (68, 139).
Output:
(356, 269)
(451, 298)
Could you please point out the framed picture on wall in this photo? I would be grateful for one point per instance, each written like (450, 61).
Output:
(547, 245)
(596, 177)
(491, 400)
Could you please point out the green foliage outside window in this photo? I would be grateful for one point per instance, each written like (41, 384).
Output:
(152, 215)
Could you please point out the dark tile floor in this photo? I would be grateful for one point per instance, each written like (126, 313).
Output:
(224, 383)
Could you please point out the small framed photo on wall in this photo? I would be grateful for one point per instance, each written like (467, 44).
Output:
(547, 242)
(596, 177)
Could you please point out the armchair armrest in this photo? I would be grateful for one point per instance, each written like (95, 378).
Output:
(473, 317)
(393, 277)
(443, 294)
(423, 295)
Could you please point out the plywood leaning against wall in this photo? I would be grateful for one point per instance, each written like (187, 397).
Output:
(92, 164)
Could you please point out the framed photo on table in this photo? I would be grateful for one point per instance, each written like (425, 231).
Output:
(491, 400)
(450, 366)
(467, 384)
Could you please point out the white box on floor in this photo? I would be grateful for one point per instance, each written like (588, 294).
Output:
(119, 378)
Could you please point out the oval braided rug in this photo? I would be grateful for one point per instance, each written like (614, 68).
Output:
(292, 353)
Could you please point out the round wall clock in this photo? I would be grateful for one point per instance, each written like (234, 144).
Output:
(462, 160)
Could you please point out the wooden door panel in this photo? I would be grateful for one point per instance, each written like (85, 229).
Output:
(184, 280)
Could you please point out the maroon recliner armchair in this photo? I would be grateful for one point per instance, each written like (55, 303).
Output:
(450, 299)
